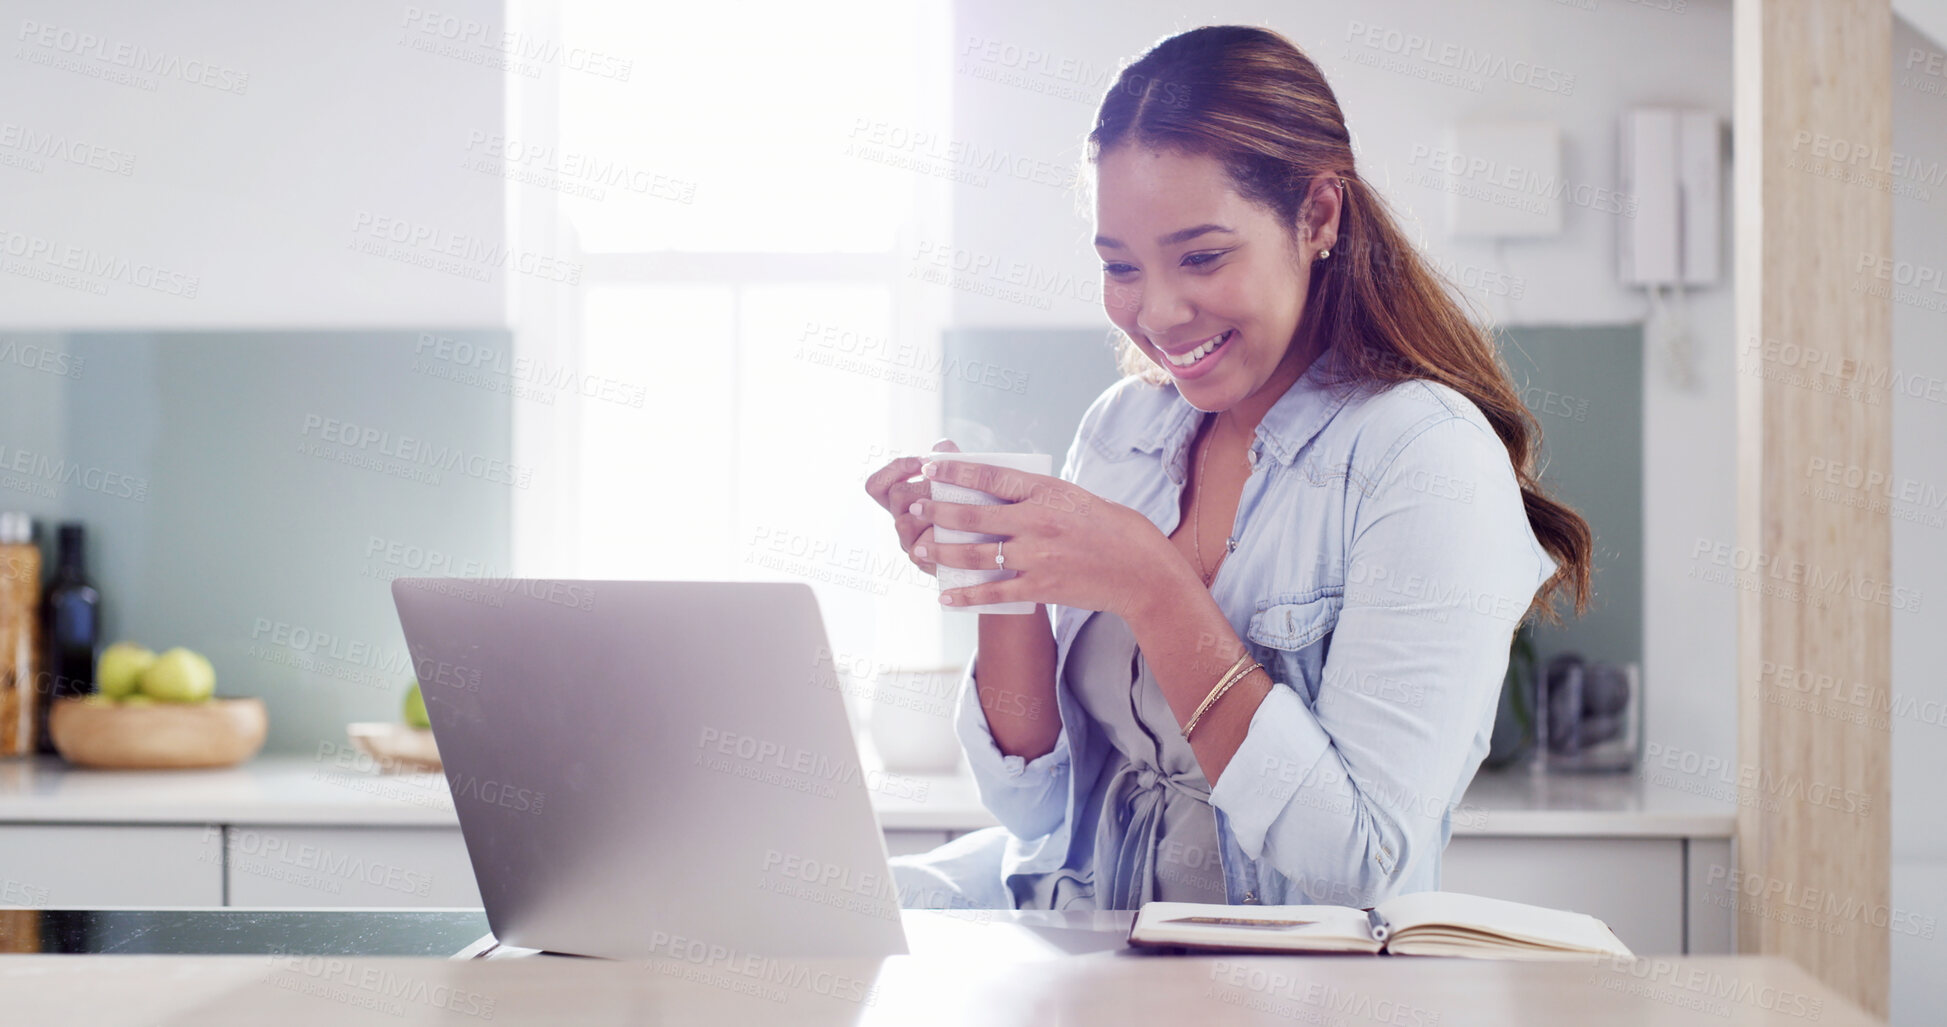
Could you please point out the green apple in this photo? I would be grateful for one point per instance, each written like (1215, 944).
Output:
(179, 675)
(138, 699)
(416, 708)
(119, 667)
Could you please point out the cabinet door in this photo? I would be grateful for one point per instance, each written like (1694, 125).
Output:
(349, 866)
(907, 843)
(99, 865)
(1712, 901)
(1635, 885)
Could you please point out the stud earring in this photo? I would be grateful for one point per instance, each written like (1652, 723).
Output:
(1322, 254)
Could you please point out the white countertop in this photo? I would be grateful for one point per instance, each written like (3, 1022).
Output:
(314, 791)
(324, 792)
(1517, 803)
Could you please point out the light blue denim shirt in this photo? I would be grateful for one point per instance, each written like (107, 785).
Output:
(1383, 561)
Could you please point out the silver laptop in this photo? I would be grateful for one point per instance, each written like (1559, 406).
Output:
(652, 769)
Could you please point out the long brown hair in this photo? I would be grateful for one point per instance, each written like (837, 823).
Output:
(1252, 100)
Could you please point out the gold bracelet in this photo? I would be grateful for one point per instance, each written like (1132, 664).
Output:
(1237, 670)
(1236, 673)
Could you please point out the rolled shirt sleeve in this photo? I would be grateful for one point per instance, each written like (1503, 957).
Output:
(1028, 797)
(1352, 790)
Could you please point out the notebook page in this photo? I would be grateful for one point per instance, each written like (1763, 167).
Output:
(1336, 927)
(1500, 916)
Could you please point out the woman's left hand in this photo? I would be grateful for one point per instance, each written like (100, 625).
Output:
(1068, 545)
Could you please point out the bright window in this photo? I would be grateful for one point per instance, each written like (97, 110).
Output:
(735, 247)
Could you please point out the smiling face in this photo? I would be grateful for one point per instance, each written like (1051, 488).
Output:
(1209, 285)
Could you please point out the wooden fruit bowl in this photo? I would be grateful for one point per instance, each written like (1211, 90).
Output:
(158, 736)
(397, 748)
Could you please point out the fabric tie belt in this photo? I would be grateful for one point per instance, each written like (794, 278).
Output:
(1138, 796)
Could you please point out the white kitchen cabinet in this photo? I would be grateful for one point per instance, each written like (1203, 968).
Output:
(282, 865)
(907, 843)
(1712, 924)
(93, 865)
(1640, 887)
(1635, 885)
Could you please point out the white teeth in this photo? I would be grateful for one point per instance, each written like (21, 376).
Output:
(1197, 354)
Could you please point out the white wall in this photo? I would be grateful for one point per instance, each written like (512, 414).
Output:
(1620, 55)
(1919, 534)
(246, 193)
(1920, 451)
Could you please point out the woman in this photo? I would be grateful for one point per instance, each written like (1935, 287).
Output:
(1286, 553)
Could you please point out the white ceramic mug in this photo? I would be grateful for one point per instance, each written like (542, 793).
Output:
(960, 577)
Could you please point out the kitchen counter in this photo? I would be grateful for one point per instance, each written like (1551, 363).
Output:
(328, 830)
(1521, 804)
(331, 790)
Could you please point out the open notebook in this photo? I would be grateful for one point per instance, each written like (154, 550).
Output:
(1433, 923)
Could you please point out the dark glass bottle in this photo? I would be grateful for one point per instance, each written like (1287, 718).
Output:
(71, 628)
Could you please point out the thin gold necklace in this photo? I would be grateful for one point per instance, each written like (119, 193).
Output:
(1196, 506)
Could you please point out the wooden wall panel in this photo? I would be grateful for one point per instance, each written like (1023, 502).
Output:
(1813, 151)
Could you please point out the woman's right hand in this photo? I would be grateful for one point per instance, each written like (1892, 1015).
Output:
(895, 487)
